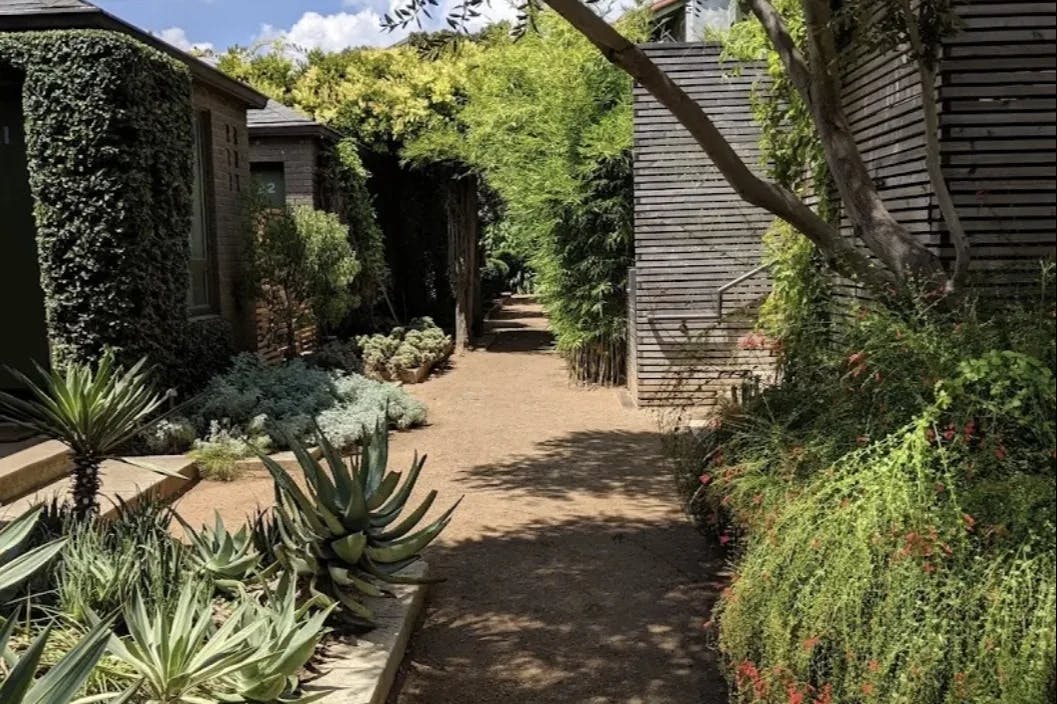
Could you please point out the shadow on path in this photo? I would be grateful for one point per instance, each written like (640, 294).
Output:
(597, 462)
(584, 610)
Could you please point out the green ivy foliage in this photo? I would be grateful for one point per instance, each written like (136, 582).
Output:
(108, 125)
(348, 197)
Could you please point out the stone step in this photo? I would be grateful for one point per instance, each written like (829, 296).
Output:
(31, 468)
(121, 482)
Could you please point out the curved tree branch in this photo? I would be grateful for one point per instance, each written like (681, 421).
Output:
(794, 62)
(933, 163)
(781, 202)
(817, 81)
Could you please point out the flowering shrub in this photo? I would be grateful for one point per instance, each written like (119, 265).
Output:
(892, 511)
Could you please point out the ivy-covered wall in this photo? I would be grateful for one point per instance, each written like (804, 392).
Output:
(109, 148)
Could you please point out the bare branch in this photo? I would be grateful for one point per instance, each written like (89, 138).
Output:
(779, 201)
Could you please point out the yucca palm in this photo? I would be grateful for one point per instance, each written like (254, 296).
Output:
(93, 409)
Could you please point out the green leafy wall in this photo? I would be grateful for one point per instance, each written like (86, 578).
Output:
(109, 147)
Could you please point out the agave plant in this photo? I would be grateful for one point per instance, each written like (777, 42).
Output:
(93, 409)
(17, 566)
(229, 559)
(342, 535)
(288, 637)
(181, 655)
(65, 678)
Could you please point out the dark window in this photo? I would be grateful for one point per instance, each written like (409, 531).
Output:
(202, 294)
(270, 181)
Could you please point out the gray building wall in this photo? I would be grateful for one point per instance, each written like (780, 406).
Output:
(693, 234)
(299, 157)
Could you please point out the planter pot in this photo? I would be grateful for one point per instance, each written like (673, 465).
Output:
(416, 375)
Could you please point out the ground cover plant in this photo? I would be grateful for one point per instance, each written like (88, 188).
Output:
(260, 407)
(891, 510)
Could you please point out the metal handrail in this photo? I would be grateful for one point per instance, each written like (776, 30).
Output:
(718, 294)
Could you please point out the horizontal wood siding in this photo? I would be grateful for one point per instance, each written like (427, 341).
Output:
(999, 137)
(693, 234)
(997, 96)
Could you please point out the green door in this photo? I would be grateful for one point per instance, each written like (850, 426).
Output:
(23, 335)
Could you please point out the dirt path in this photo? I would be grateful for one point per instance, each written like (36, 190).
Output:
(571, 575)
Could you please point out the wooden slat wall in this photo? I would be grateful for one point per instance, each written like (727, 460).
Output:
(999, 96)
(693, 234)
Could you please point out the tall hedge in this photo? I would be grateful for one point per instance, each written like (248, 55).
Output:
(109, 149)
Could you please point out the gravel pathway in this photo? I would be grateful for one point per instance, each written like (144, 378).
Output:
(572, 576)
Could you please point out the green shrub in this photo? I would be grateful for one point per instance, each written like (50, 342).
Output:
(218, 453)
(893, 508)
(301, 266)
(103, 104)
(342, 355)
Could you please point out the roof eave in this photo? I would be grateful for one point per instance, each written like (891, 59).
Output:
(94, 18)
(306, 130)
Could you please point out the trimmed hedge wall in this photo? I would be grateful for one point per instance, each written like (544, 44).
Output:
(109, 147)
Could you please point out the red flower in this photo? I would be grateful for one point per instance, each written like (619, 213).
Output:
(795, 695)
(948, 434)
(705, 478)
(856, 358)
(724, 539)
(969, 521)
(873, 666)
(868, 688)
(811, 642)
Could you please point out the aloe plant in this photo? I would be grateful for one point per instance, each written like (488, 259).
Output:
(62, 682)
(229, 559)
(93, 409)
(343, 536)
(289, 637)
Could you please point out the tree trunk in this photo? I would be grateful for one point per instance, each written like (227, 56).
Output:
(86, 485)
(463, 262)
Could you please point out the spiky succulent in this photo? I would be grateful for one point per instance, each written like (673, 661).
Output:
(289, 636)
(343, 535)
(228, 558)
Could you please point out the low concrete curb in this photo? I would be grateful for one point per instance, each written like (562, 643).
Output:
(363, 672)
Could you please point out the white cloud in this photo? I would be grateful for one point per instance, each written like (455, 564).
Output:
(179, 39)
(332, 32)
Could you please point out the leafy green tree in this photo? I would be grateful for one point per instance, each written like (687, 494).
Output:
(546, 122)
(899, 261)
(301, 267)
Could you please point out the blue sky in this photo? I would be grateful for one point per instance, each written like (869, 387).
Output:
(217, 24)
